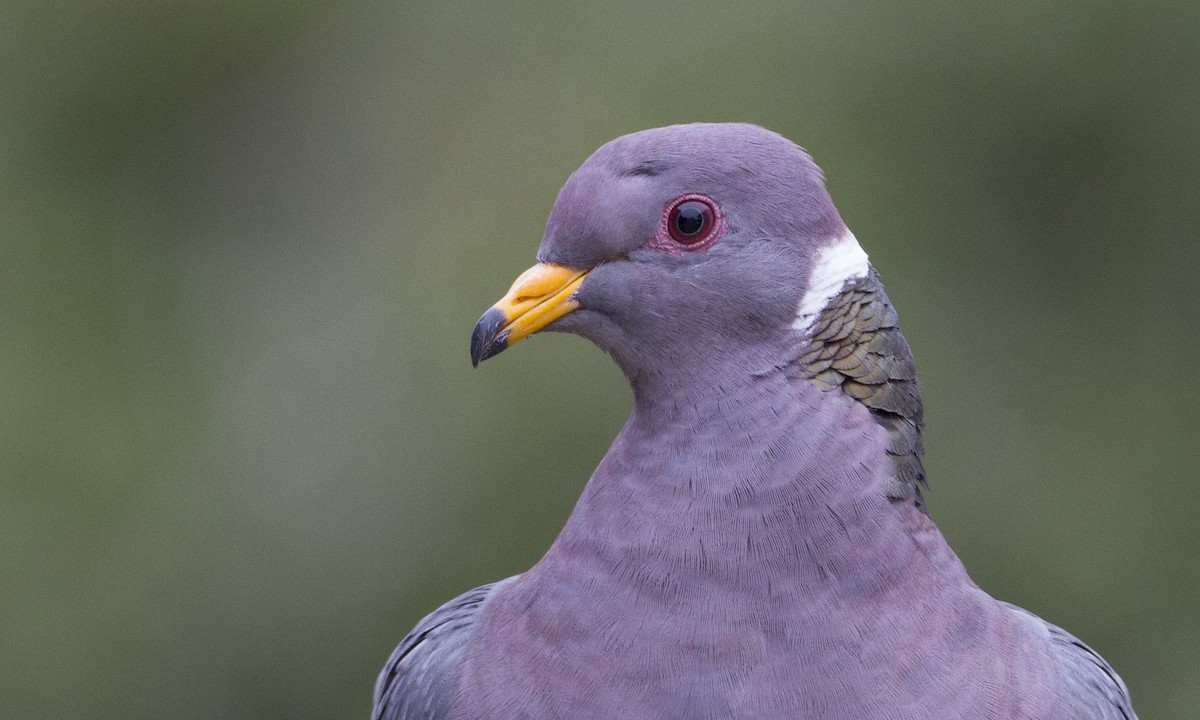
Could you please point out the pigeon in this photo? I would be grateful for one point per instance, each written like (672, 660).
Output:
(755, 544)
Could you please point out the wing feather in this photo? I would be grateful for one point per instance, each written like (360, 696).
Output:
(1096, 690)
(417, 683)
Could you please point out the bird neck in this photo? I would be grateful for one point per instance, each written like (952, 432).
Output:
(761, 482)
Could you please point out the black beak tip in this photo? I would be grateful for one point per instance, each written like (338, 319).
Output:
(488, 338)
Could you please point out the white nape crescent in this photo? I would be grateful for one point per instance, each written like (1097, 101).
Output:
(843, 260)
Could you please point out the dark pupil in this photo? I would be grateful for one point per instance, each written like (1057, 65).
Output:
(690, 219)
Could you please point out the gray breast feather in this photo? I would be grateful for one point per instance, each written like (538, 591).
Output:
(1095, 689)
(417, 683)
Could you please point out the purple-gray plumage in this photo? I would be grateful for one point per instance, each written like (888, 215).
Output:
(754, 544)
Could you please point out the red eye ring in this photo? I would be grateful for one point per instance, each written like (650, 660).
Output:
(690, 222)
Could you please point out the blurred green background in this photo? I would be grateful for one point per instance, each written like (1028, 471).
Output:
(243, 244)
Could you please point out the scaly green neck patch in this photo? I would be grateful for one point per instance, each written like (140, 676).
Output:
(857, 346)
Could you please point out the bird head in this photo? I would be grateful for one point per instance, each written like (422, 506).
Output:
(680, 250)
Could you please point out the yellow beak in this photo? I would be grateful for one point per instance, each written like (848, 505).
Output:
(541, 295)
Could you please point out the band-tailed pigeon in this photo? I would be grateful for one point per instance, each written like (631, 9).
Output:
(754, 545)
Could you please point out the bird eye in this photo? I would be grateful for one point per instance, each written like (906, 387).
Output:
(690, 221)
